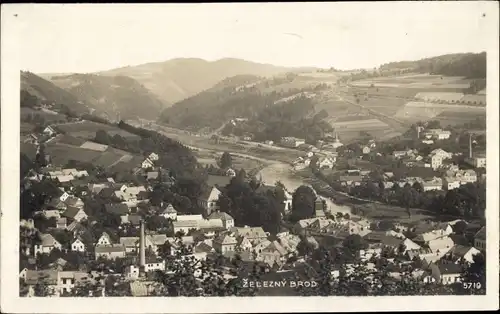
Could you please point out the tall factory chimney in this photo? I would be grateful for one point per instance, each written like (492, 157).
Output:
(470, 145)
(142, 250)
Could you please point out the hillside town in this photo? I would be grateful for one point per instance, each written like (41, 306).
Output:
(84, 233)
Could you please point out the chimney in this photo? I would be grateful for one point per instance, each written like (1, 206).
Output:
(470, 145)
(418, 131)
(142, 249)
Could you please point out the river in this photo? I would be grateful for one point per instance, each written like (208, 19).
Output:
(283, 172)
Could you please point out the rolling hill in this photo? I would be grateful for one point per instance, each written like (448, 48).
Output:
(242, 96)
(469, 65)
(178, 79)
(116, 97)
(35, 88)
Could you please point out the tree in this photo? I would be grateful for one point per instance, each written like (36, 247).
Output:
(459, 227)
(303, 203)
(353, 243)
(226, 161)
(305, 248)
(102, 137)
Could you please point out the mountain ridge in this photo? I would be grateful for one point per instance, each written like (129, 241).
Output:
(180, 78)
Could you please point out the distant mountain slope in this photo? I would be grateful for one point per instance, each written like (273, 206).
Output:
(39, 89)
(470, 65)
(242, 96)
(119, 97)
(179, 79)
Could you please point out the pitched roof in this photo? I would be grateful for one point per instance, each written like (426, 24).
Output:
(71, 212)
(226, 239)
(48, 240)
(481, 234)
(202, 247)
(117, 208)
(41, 276)
(113, 248)
(152, 175)
(250, 232)
(169, 209)
(220, 215)
(460, 250)
(185, 223)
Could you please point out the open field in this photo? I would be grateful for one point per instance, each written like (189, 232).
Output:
(360, 125)
(87, 129)
(209, 158)
(416, 111)
(61, 153)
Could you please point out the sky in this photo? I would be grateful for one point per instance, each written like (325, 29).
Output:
(89, 38)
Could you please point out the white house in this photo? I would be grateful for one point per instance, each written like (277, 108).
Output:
(441, 153)
(227, 220)
(230, 173)
(64, 197)
(147, 163)
(104, 239)
(78, 246)
(450, 183)
(436, 161)
(153, 157)
(49, 131)
(326, 162)
(169, 212)
(209, 200)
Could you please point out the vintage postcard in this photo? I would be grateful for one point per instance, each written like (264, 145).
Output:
(249, 157)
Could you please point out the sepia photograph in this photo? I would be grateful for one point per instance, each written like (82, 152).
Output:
(314, 154)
